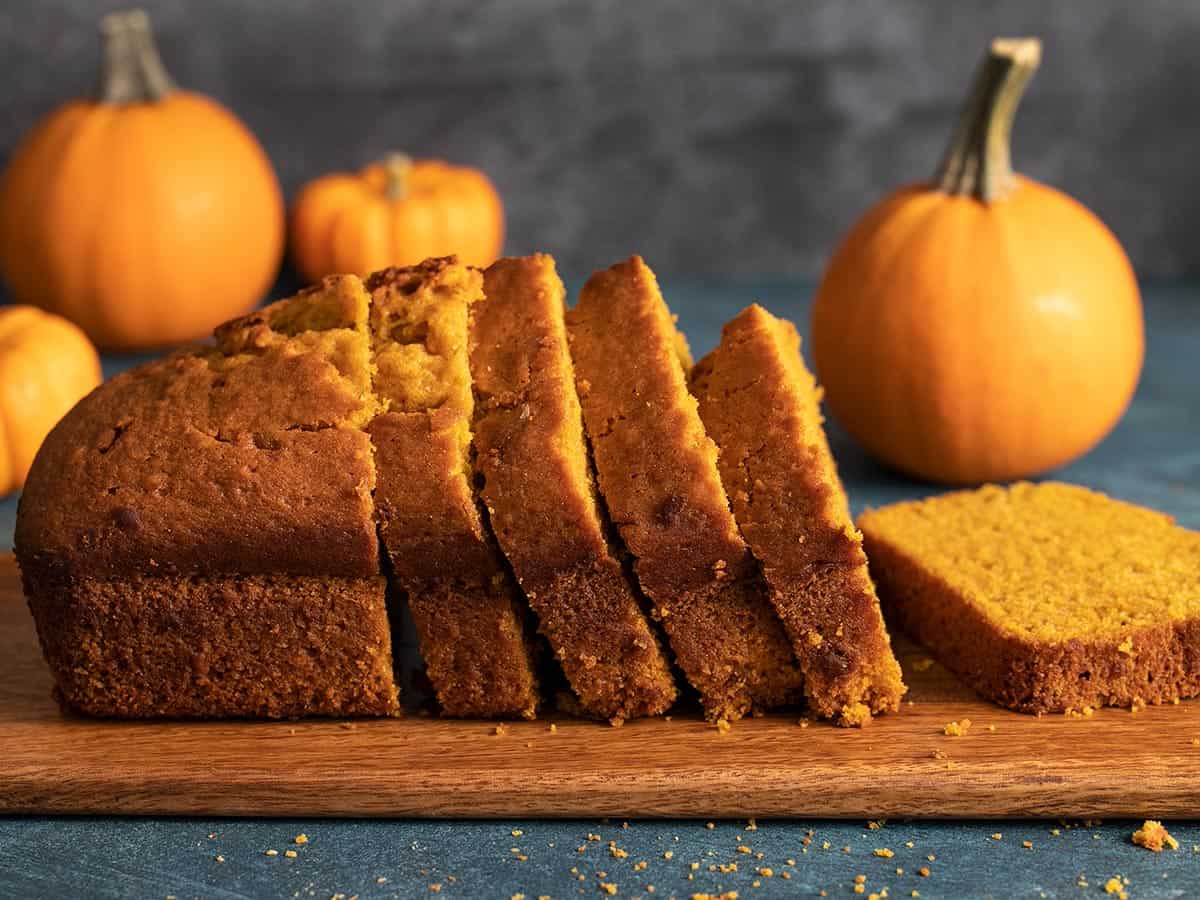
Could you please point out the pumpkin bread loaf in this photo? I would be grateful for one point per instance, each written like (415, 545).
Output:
(1045, 597)
(538, 487)
(468, 612)
(762, 407)
(196, 537)
(657, 471)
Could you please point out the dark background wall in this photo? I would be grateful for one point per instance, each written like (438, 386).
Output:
(739, 137)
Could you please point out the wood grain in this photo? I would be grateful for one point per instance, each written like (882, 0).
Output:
(1113, 764)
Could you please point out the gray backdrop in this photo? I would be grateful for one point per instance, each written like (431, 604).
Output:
(740, 137)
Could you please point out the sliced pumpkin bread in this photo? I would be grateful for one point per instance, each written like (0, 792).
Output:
(196, 537)
(657, 471)
(1045, 597)
(470, 618)
(762, 407)
(539, 490)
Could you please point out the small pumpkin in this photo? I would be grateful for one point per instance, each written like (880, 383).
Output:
(984, 327)
(395, 212)
(147, 216)
(46, 366)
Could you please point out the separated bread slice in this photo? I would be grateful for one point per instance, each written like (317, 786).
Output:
(469, 616)
(196, 537)
(657, 471)
(762, 407)
(1045, 597)
(538, 487)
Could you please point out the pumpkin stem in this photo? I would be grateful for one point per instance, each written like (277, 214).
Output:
(133, 70)
(398, 167)
(978, 161)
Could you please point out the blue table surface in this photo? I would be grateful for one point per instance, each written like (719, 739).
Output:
(1153, 458)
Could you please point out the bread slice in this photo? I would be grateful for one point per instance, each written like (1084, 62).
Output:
(762, 407)
(1045, 597)
(538, 487)
(658, 474)
(470, 618)
(196, 537)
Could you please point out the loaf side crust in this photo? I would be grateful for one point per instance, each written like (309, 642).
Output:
(221, 646)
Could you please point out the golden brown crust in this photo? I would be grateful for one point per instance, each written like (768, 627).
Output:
(761, 406)
(467, 610)
(537, 486)
(240, 459)
(657, 471)
(262, 646)
(998, 639)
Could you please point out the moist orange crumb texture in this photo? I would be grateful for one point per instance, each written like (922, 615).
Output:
(469, 615)
(762, 407)
(538, 488)
(1045, 597)
(657, 470)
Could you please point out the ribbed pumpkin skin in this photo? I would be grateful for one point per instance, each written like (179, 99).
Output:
(46, 366)
(347, 223)
(145, 223)
(962, 342)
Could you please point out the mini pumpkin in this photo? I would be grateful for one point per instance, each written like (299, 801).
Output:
(396, 212)
(46, 365)
(984, 327)
(147, 216)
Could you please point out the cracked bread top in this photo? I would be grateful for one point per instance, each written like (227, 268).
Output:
(246, 456)
(661, 484)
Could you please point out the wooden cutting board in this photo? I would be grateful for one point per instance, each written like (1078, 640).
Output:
(1112, 764)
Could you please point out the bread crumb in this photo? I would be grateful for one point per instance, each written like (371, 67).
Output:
(640, 865)
(1114, 885)
(991, 728)
(723, 726)
(270, 853)
(956, 729)
(766, 872)
(1028, 845)
(517, 832)
(290, 854)
(1153, 836)
(742, 848)
(709, 825)
(751, 825)
(922, 663)
(300, 839)
(219, 858)
(608, 887)
(923, 871)
(435, 887)
(501, 728)
(875, 825)
(884, 852)
(553, 728)
(804, 723)
(617, 852)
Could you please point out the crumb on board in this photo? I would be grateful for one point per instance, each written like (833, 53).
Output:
(997, 836)
(723, 726)
(1116, 885)
(290, 854)
(1153, 836)
(956, 729)
(884, 852)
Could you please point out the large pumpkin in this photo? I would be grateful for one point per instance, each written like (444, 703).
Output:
(46, 366)
(985, 326)
(147, 216)
(396, 212)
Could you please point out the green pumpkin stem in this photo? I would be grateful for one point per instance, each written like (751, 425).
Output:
(399, 168)
(978, 162)
(133, 71)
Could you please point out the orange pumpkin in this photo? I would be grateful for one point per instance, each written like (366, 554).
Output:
(147, 216)
(46, 366)
(984, 327)
(395, 213)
